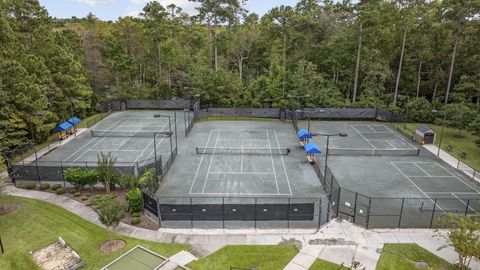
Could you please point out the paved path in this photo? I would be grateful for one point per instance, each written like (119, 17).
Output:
(339, 242)
(453, 161)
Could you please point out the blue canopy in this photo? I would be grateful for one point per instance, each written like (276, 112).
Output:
(303, 134)
(311, 148)
(74, 120)
(63, 127)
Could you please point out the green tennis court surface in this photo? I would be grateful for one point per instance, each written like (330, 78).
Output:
(138, 258)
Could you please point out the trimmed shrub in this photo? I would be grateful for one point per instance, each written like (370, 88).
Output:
(136, 214)
(134, 199)
(31, 186)
(56, 186)
(60, 190)
(73, 191)
(44, 186)
(89, 203)
(84, 198)
(80, 177)
(76, 194)
(135, 220)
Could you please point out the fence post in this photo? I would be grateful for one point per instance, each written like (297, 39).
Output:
(355, 207)
(458, 164)
(368, 212)
(329, 206)
(159, 212)
(473, 176)
(319, 214)
(466, 209)
(401, 213)
(339, 194)
(191, 213)
(433, 213)
(288, 214)
(63, 174)
(255, 213)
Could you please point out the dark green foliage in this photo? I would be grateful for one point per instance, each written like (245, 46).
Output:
(149, 180)
(60, 191)
(134, 199)
(31, 186)
(110, 213)
(81, 177)
(135, 220)
(136, 214)
(77, 194)
(44, 186)
(56, 186)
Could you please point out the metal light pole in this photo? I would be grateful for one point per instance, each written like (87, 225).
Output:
(341, 134)
(30, 124)
(441, 132)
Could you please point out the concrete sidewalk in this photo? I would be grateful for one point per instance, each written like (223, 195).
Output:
(338, 242)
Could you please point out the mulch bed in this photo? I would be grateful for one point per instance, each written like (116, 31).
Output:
(145, 222)
(112, 245)
(9, 208)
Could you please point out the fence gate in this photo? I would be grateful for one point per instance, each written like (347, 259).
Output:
(362, 211)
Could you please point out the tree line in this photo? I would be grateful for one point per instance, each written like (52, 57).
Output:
(370, 53)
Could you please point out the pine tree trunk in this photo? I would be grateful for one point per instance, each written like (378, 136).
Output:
(240, 68)
(357, 66)
(419, 78)
(399, 73)
(452, 65)
(210, 45)
(159, 53)
(169, 75)
(215, 44)
(434, 95)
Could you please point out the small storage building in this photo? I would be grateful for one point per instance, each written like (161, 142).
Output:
(425, 135)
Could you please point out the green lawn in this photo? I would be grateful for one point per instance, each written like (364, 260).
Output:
(460, 141)
(324, 265)
(261, 257)
(38, 224)
(404, 256)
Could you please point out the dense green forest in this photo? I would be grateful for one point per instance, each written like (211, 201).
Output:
(371, 53)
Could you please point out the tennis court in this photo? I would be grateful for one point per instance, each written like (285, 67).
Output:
(364, 138)
(127, 135)
(140, 258)
(241, 174)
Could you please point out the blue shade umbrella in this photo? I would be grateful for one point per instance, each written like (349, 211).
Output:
(303, 134)
(74, 120)
(63, 127)
(311, 148)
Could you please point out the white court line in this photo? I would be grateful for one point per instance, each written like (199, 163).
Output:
(408, 178)
(121, 144)
(92, 141)
(240, 194)
(163, 138)
(446, 192)
(455, 176)
(464, 203)
(421, 169)
(199, 164)
(283, 163)
(273, 164)
(241, 161)
(374, 131)
(430, 176)
(391, 145)
(89, 149)
(210, 164)
(237, 140)
(401, 138)
(243, 173)
(359, 133)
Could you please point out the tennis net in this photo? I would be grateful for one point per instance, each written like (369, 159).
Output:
(243, 151)
(116, 133)
(373, 152)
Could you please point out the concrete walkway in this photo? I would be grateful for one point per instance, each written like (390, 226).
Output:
(453, 161)
(338, 242)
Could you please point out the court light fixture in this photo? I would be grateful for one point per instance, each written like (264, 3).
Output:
(342, 134)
